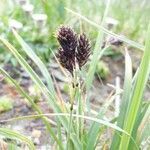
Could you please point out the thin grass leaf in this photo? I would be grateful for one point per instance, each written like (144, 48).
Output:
(142, 119)
(48, 95)
(12, 147)
(144, 129)
(97, 53)
(14, 135)
(125, 99)
(37, 61)
(35, 107)
(93, 132)
(122, 38)
(80, 111)
(48, 9)
(21, 91)
(100, 121)
(138, 90)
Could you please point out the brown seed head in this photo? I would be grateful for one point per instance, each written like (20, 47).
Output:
(65, 61)
(83, 50)
(73, 50)
(67, 39)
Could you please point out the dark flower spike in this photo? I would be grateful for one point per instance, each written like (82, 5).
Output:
(65, 61)
(73, 50)
(83, 50)
(67, 39)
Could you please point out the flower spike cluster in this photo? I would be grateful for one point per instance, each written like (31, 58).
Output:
(73, 49)
(83, 50)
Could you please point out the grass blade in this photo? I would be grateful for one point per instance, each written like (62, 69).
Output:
(36, 108)
(12, 134)
(95, 127)
(100, 121)
(97, 48)
(48, 95)
(136, 98)
(122, 38)
(125, 99)
(144, 129)
(92, 134)
(143, 111)
(37, 61)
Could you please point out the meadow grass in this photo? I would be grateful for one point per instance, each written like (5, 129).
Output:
(133, 109)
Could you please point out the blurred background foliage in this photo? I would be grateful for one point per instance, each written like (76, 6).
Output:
(131, 18)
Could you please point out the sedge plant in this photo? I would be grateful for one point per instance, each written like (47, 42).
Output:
(72, 130)
(73, 54)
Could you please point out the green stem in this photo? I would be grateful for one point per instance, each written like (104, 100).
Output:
(72, 98)
(80, 112)
(69, 127)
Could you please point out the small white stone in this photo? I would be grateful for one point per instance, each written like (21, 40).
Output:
(36, 141)
(36, 133)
